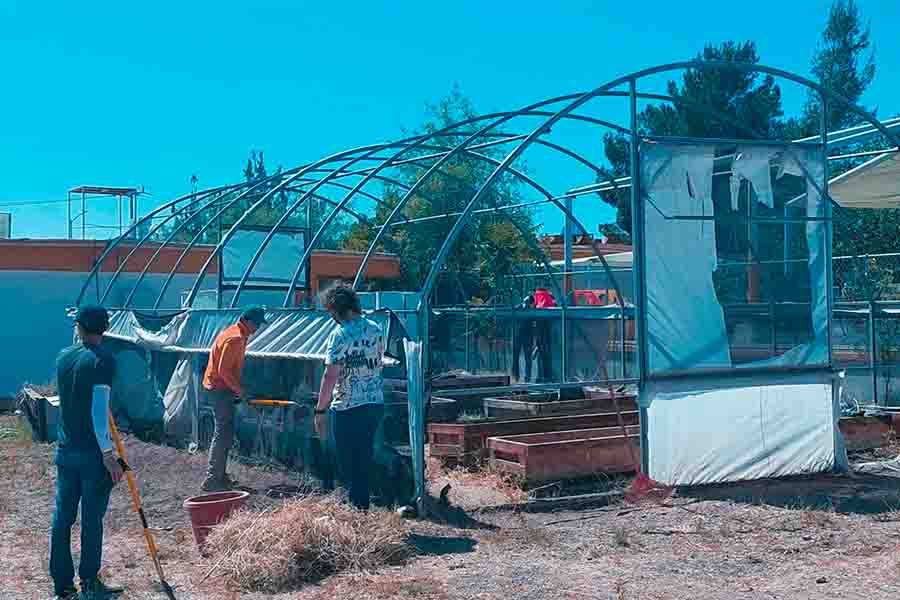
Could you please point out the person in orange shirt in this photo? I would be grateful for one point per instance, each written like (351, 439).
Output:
(222, 389)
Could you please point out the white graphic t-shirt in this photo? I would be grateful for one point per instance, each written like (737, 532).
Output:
(357, 346)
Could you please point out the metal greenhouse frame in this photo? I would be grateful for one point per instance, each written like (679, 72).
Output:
(354, 173)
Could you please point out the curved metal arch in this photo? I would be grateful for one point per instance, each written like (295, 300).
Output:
(203, 229)
(417, 142)
(410, 144)
(347, 156)
(696, 64)
(149, 216)
(540, 189)
(159, 249)
(391, 162)
(187, 249)
(504, 117)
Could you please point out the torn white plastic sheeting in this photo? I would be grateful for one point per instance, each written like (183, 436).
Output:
(743, 430)
(289, 334)
(276, 264)
(753, 164)
(685, 323)
(415, 387)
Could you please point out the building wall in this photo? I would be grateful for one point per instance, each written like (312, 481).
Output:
(39, 279)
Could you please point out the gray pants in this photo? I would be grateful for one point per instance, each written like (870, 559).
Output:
(222, 402)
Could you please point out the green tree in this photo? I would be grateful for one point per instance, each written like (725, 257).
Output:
(490, 246)
(708, 102)
(843, 62)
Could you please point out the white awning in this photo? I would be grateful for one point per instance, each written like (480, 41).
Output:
(873, 184)
(619, 260)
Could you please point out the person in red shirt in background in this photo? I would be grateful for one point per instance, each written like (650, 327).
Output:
(222, 389)
(542, 339)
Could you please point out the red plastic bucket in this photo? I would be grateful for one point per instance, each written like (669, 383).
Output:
(209, 510)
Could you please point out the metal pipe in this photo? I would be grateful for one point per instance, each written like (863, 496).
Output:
(829, 289)
(638, 274)
(83, 218)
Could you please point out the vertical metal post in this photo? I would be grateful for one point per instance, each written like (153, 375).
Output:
(306, 237)
(83, 215)
(567, 291)
(425, 338)
(624, 331)
(69, 215)
(826, 201)
(119, 205)
(637, 240)
(873, 349)
(466, 332)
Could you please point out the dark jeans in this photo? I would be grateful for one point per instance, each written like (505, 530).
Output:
(81, 478)
(542, 342)
(523, 343)
(353, 431)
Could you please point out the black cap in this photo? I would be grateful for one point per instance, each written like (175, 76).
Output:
(94, 319)
(255, 314)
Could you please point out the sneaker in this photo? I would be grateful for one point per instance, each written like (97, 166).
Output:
(110, 590)
(93, 590)
(213, 485)
(69, 593)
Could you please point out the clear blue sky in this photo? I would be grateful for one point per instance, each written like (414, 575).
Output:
(148, 93)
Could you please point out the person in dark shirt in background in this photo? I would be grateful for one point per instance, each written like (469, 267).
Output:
(523, 340)
(87, 466)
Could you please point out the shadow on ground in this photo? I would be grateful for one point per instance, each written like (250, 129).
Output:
(855, 493)
(440, 545)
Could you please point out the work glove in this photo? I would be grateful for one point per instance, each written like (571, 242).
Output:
(113, 466)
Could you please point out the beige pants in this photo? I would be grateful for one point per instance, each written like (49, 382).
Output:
(222, 402)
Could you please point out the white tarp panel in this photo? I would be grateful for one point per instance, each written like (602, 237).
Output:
(415, 387)
(290, 333)
(739, 430)
(276, 264)
(685, 323)
(180, 400)
(874, 184)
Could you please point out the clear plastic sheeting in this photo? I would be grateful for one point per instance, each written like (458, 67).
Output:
(415, 387)
(275, 265)
(290, 333)
(180, 401)
(754, 428)
(735, 268)
(685, 322)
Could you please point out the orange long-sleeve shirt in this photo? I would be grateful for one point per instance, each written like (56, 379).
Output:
(226, 359)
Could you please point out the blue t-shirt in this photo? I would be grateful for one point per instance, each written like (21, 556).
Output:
(78, 369)
(357, 346)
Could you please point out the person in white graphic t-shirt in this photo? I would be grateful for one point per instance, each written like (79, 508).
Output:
(351, 397)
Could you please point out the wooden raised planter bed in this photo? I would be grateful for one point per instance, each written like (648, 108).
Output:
(560, 455)
(467, 442)
(542, 405)
(864, 433)
(447, 386)
(440, 410)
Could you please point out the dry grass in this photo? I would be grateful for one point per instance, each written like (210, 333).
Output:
(482, 476)
(303, 541)
(382, 587)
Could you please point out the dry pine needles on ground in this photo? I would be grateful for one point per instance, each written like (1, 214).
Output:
(303, 541)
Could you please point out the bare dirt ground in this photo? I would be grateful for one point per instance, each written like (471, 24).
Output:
(689, 547)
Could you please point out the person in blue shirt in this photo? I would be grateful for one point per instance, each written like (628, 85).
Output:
(86, 464)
